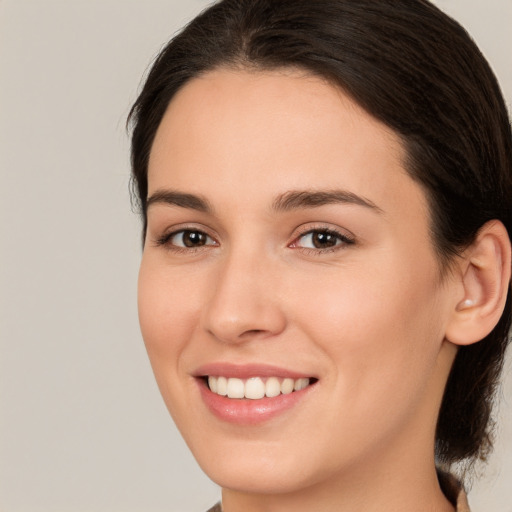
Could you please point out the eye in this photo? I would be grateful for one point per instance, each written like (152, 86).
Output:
(321, 240)
(187, 239)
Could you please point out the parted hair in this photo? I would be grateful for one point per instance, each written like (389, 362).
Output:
(418, 71)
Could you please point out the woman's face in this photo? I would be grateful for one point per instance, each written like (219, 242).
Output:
(286, 242)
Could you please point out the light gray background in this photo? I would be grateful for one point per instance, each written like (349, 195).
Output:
(82, 426)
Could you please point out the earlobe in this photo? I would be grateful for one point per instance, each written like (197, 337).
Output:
(485, 278)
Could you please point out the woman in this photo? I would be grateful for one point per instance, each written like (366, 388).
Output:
(324, 291)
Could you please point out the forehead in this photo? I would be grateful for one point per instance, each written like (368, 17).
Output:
(285, 129)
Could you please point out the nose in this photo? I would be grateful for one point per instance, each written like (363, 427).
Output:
(244, 304)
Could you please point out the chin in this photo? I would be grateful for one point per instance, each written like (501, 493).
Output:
(260, 468)
(256, 477)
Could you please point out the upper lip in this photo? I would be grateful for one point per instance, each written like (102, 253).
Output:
(246, 371)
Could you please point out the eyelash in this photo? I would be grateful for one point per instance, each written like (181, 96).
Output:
(165, 240)
(342, 241)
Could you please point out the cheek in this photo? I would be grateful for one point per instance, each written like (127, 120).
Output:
(380, 329)
(166, 314)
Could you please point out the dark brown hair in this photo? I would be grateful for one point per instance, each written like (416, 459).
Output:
(418, 71)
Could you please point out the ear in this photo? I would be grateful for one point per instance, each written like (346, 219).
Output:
(484, 270)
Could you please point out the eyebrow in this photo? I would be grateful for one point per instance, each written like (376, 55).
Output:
(291, 200)
(296, 199)
(181, 199)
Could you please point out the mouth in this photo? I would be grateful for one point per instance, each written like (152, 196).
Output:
(251, 394)
(255, 388)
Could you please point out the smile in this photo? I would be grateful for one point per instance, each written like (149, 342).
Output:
(251, 394)
(255, 388)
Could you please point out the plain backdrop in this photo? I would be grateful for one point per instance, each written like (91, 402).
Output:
(82, 426)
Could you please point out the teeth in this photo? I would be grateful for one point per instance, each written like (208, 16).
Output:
(272, 387)
(212, 383)
(287, 386)
(255, 387)
(300, 384)
(222, 386)
(236, 388)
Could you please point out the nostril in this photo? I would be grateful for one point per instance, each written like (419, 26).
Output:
(252, 332)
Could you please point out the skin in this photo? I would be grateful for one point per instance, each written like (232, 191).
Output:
(367, 318)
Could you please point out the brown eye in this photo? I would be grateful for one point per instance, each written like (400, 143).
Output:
(190, 239)
(321, 239)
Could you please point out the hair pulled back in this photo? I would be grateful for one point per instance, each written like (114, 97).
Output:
(416, 70)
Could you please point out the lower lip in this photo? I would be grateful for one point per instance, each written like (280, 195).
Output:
(250, 412)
